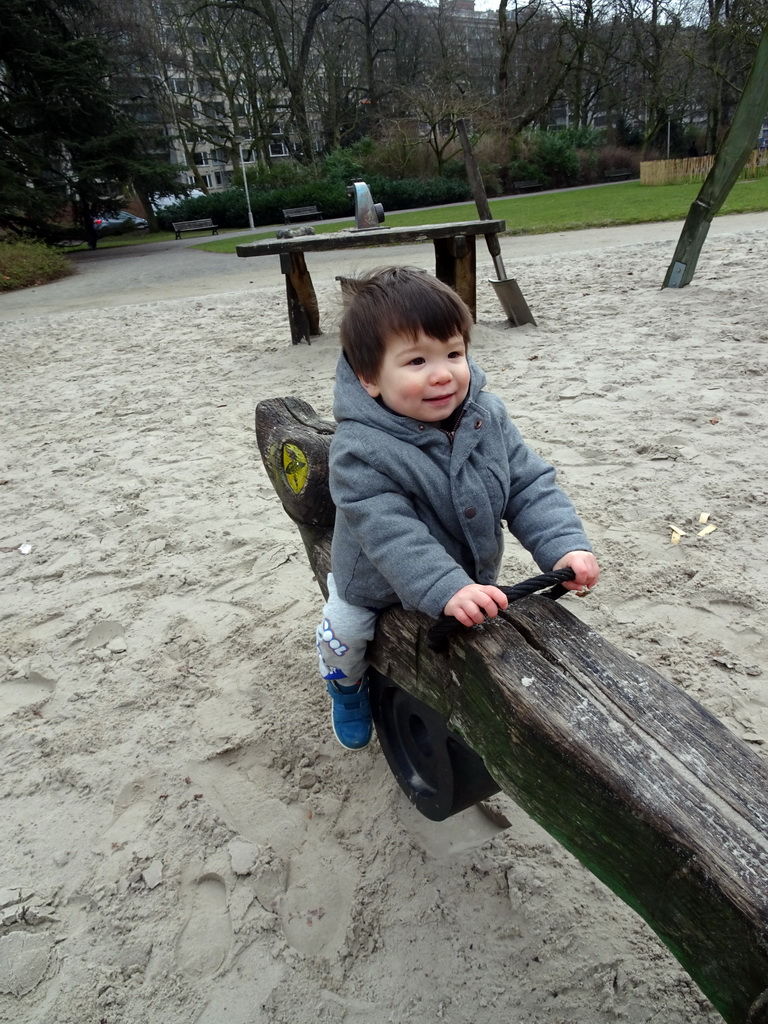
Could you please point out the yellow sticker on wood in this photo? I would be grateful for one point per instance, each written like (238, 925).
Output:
(295, 467)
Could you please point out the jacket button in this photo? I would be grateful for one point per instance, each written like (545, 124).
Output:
(478, 424)
(470, 512)
(421, 427)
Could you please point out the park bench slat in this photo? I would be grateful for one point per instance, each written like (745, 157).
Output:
(527, 186)
(302, 213)
(204, 223)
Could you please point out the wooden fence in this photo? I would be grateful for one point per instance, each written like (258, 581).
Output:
(695, 169)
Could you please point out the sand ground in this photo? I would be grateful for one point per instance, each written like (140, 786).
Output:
(183, 840)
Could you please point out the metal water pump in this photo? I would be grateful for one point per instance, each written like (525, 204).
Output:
(368, 215)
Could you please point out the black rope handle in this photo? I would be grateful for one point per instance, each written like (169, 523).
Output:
(447, 625)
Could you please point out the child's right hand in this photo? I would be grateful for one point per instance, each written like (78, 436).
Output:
(476, 602)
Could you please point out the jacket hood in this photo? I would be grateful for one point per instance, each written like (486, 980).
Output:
(352, 402)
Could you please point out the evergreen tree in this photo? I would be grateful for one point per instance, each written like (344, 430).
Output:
(66, 134)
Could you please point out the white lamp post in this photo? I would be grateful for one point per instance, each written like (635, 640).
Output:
(245, 186)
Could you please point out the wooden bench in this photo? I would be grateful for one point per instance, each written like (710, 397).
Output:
(455, 261)
(527, 186)
(302, 213)
(195, 225)
(619, 174)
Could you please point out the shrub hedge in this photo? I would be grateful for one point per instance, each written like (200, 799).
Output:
(228, 209)
(26, 263)
(571, 156)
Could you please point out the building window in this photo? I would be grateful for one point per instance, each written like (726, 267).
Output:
(207, 180)
(201, 159)
(278, 149)
(209, 85)
(213, 110)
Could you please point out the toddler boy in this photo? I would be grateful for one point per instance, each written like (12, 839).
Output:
(424, 466)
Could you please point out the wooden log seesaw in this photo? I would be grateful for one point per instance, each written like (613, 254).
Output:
(649, 790)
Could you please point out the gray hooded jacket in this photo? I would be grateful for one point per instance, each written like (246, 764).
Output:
(419, 512)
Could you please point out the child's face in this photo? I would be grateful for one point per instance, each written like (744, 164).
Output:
(422, 377)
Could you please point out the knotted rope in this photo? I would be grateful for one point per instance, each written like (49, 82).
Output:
(446, 625)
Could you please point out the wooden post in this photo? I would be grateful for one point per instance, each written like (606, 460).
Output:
(507, 289)
(303, 310)
(456, 266)
(731, 156)
(648, 789)
(473, 172)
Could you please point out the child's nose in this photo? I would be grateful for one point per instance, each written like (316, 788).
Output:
(441, 371)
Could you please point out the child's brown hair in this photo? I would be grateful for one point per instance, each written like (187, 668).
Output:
(397, 300)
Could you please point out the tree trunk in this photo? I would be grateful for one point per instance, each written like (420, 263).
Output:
(86, 219)
(146, 205)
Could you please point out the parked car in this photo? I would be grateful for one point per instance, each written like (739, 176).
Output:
(118, 223)
(161, 202)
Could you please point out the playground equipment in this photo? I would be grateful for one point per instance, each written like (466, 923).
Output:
(507, 289)
(648, 789)
(368, 214)
(731, 156)
(455, 262)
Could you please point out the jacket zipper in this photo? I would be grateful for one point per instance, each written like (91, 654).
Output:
(451, 433)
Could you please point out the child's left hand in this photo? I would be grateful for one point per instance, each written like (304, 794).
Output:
(584, 565)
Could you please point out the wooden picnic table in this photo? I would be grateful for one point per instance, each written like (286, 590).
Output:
(455, 261)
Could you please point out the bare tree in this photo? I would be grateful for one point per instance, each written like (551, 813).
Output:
(656, 56)
(593, 39)
(290, 27)
(532, 62)
(350, 41)
(727, 37)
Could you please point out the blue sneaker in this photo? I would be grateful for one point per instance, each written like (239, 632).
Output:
(351, 715)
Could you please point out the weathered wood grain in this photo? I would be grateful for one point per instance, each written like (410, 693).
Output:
(303, 310)
(366, 239)
(455, 261)
(456, 266)
(647, 788)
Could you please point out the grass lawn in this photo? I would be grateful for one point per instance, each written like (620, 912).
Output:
(137, 238)
(626, 202)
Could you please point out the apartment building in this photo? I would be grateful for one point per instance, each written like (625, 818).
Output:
(209, 115)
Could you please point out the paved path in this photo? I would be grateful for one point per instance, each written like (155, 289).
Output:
(173, 270)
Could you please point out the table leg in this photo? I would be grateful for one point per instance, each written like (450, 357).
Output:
(456, 265)
(303, 311)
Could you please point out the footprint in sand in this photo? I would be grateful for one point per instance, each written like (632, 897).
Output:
(102, 633)
(315, 910)
(134, 806)
(206, 939)
(24, 961)
(24, 691)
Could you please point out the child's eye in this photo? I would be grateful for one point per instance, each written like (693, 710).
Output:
(417, 361)
(456, 355)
